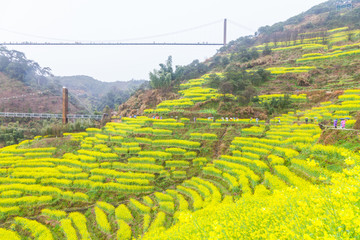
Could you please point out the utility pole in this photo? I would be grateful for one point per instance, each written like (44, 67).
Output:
(225, 32)
(65, 106)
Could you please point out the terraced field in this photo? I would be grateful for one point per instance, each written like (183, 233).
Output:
(199, 178)
(138, 176)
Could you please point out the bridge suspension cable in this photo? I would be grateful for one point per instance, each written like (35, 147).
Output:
(172, 33)
(126, 42)
(241, 26)
(117, 40)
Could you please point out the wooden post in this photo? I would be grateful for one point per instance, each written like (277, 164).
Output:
(65, 106)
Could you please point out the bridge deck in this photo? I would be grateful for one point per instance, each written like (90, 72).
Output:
(48, 115)
(108, 44)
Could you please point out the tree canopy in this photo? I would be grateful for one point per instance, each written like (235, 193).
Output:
(166, 76)
(162, 78)
(15, 65)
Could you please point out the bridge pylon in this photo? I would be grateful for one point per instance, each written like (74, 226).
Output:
(225, 26)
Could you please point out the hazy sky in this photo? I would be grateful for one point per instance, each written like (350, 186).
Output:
(132, 21)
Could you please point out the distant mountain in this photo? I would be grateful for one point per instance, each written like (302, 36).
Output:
(94, 87)
(97, 94)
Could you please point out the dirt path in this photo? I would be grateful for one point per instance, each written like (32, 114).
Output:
(219, 145)
(342, 129)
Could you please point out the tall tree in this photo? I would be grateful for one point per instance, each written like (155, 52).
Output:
(162, 78)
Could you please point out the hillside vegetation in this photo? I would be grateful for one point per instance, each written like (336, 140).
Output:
(253, 149)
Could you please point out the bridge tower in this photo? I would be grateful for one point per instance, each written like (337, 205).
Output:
(65, 106)
(225, 23)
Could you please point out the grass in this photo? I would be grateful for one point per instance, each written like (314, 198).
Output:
(210, 111)
(63, 145)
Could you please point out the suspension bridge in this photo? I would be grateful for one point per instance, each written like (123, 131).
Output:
(108, 44)
(66, 42)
